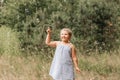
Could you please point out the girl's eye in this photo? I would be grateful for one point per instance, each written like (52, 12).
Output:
(66, 34)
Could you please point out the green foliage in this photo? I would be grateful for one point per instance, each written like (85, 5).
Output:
(100, 68)
(94, 23)
(98, 25)
(9, 43)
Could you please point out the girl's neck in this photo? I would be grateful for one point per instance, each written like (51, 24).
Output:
(65, 42)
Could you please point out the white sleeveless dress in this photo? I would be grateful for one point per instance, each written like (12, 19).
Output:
(62, 65)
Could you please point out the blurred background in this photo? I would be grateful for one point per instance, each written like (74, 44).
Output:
(96, 35)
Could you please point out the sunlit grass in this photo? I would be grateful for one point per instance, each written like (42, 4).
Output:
(35, 68)
(101, 66)
(17, 66)
(9, 42)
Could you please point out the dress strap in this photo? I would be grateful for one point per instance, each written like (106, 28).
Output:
(61, 43)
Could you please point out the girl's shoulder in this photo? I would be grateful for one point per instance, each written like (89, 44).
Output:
(71, 45)
(57, 42)
(53, 43)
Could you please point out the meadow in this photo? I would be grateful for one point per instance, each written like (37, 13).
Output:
(36, 67)
(16, 65)
(95, 25)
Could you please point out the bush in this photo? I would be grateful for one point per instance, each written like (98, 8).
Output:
(94, 23)
(98, 26)
(9, 43)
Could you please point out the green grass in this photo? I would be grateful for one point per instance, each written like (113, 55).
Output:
(9, 42)
(36, 66)
(101, 65)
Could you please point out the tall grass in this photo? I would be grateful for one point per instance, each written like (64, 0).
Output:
(9, 43)
(36, 66)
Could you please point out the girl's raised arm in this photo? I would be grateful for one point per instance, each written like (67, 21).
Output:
(48, 39)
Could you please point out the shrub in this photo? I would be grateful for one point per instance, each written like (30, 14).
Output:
(94, 23)
(98, 25)
(9, 43)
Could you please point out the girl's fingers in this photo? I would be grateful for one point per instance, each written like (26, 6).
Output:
(78, 70)
(48, 30)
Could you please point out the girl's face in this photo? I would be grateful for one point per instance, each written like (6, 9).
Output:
(64, 35)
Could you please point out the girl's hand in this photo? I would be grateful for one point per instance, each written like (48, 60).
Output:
(48, 30)
(77, 69)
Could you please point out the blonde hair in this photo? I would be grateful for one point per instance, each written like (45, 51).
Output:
(68, 30)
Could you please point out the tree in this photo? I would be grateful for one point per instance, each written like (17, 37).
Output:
(94, 23)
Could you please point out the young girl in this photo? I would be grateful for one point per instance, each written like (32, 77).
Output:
(62, 67)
